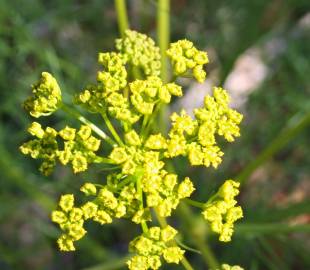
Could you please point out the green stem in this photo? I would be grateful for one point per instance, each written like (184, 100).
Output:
(144, 124)
(163, 36)
(146, 128)
(125, 182)
(122, 19)
(207, 254)
(186, 264)
(112, 129)
(195, 203)
(112, 264)
(82, 119)
(104, 160)
(163, 223)
(295, 125)
(107, 169)
(270, 228)
(138, 176)
(199, 239)
(163, 13)
(187, 247)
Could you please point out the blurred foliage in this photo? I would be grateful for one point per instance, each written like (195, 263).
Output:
(64, 37)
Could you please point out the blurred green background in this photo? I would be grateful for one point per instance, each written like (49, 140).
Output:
(259, 49)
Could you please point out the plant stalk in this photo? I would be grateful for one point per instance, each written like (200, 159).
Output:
(199, 240)
(195, 203)
(163, 34)
(295, 125)
(163, 37)
(122, 18)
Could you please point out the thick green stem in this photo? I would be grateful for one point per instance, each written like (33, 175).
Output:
(82, 119)
(296, 124)
(163, 37)
(163, 34)
(122, 19)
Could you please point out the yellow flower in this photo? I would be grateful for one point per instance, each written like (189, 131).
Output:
(66, 202)
(89, 210)
(140, 51)
(65, 243)
(186, 188)
(173, 254)
(223, 208)
(46, 96)
(184, 56)
(89, 189)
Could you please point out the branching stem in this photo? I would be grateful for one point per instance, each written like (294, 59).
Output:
(82, 119)
(112, 129)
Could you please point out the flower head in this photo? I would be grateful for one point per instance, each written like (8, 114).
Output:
(46, 96)
(130, 92)
(222, 211)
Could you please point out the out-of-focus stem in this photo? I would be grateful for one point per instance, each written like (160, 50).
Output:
(199, 241)
(296, 124)
(122, 18)
(163, 223)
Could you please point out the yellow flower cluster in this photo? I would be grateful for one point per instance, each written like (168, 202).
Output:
(161, 189)
(78, 147)
(153, 244)
(146, 93)
(70, 220)
(140, 51)
(129, 90)
(184, 56)
(44, 147)
(46, 96)
(222, 211)
(196, 137)
(104, 206)
(111, 80)
(217, 115)
(114, 77)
